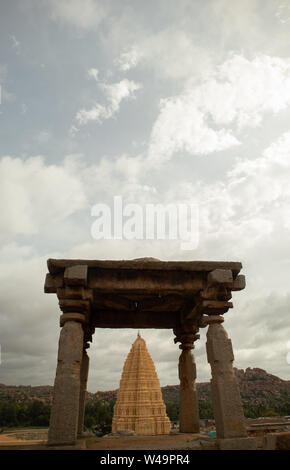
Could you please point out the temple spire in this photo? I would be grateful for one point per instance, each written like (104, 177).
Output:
(139, 404)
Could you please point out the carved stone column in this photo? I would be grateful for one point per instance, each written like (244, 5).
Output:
(227, 403)
(66, 394)
(188, 400)
(83, 388)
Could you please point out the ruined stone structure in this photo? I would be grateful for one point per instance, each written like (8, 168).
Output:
(139, 405)
(147, 293)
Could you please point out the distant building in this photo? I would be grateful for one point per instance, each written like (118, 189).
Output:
(139, 405)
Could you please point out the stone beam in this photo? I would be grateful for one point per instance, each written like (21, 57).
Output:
(56, 266)
(141, 319)
(151, 282)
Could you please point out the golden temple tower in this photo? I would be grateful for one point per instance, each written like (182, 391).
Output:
(139, 404)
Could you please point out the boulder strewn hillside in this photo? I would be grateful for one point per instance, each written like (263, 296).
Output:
(256, 385)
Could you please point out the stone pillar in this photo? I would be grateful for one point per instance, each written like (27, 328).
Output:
(226, 398)
(66, 393)
(83, 389)
(188, 400)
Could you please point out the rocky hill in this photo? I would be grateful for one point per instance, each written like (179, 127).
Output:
(25, 393)
(256, 385)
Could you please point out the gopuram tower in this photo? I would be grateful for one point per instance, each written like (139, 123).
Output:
(139, 406)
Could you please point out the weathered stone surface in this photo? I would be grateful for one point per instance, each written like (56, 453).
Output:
(66, 395)
(283, 441)
(237, 443)
(213, 307)
(78, 317)
(52, 283)
(239, 283)
(137, 293)
(83, 387)
(152, 294)
(49, 285)
(277, 441)
(58, 265)
(188, 409)
(76, 275)
(269, 441)
(220, 276)
(227, 404)
(139, 405)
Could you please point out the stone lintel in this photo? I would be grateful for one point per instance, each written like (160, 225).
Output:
(150, 282)
(59, 265)
(127, 319)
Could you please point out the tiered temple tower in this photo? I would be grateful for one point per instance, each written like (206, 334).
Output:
(139, 405)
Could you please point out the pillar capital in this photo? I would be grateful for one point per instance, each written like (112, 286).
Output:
(74, 310)
(186, 336)
(206, 320)
(72, 316)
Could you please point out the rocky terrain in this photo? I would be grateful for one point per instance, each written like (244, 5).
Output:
(256, 385)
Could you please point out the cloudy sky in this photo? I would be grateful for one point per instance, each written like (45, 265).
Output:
(159, 102)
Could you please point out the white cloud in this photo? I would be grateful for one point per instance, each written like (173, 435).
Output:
(181, 126)
(15, 43)
(238, 94)
(261, 184)
(43, 136)
(237, 214)
(93, 73)
(3, 72)
(5, 95)
(84, 14)
(33, 194)
(283, 13)
(115, 94)
(129, 59)
(172, 52)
